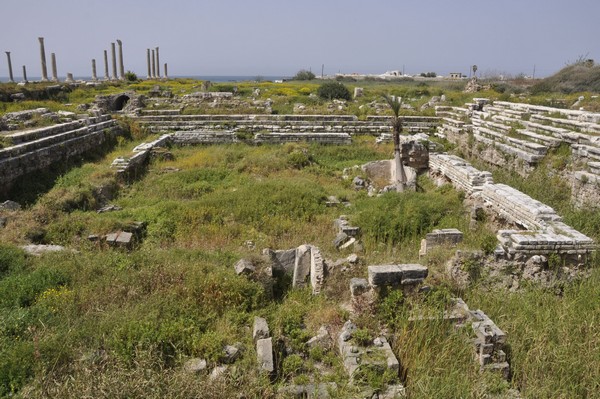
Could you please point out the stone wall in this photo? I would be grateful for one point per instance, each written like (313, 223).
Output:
(321, 138)
(518, 136)
(539, 230)
(39, 148)
(130, 166)
(169, 120)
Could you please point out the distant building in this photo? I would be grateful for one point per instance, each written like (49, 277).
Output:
(455, 75)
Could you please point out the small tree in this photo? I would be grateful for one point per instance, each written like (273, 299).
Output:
(474, 68)
(395, 104)
(303, 74)
(334, 90)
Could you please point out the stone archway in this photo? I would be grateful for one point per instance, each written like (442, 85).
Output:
(120, 102)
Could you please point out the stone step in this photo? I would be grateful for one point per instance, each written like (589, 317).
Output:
(38, 133)
(523, 145)
(30, 146)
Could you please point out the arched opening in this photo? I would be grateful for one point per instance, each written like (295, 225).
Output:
(120, 102)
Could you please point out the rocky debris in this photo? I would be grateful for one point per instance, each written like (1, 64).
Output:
(39, 250)
(244, 266)
(352, 259)
(359, 286)
(109, 208)
(465, 266)
(359, 183)
(341, 239)
(316, 391)
(195, 365)
(393, 392)
(260, 329)
(218, 372)
(321, 340)
(9, 205)
(344, 227)
(231, 353)
(431, 103)
(379, 356)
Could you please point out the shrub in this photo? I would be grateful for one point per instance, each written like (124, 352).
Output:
(334, 90)
(303, 74)
(131, 76)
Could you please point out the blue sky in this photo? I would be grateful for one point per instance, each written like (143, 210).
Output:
(279, 37)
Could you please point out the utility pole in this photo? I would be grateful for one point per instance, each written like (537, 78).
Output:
(322, 70)
(533, 72)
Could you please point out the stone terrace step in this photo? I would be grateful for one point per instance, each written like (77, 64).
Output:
(586, 127)
(323, 138)
(29, 146)
(38, 133)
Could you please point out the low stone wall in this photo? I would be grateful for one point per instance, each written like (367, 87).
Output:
(40, 148)
(130, 166)
(163, 120)
(321, 138)
(459, 172)
(204, 137)
(543, 231)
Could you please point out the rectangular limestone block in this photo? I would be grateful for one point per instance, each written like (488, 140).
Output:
(264, 354)
(380, 275)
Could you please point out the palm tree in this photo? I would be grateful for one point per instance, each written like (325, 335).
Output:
(395, 104)
(474, 68)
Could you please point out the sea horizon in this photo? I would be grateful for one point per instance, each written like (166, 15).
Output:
(212, 78)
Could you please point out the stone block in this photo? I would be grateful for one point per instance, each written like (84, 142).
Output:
(317, 270)
(195, 365)
(284, 260)
(302, 266)
(358, 286)
(264, 354)
(340, 239)
(244, 266)
(260, 329)
(394, 275)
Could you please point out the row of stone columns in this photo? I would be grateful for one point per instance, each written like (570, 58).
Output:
(11, 77)
(153, 61)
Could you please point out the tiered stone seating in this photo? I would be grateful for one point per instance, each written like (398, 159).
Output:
(36, 149)
(163, 121)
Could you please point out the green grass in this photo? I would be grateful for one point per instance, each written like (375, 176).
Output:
(100, 322)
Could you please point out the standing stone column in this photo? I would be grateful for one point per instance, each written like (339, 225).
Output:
(94, 76)
(148, 61)
(166, 73)
(106, 65)
(153, 66)
(121, 67)
(43, 59)
(24, 74)
(54, 73)
(114, 61)
(10, 74)
(157, 64)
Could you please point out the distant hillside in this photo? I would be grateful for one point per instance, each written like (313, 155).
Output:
(577, 77)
